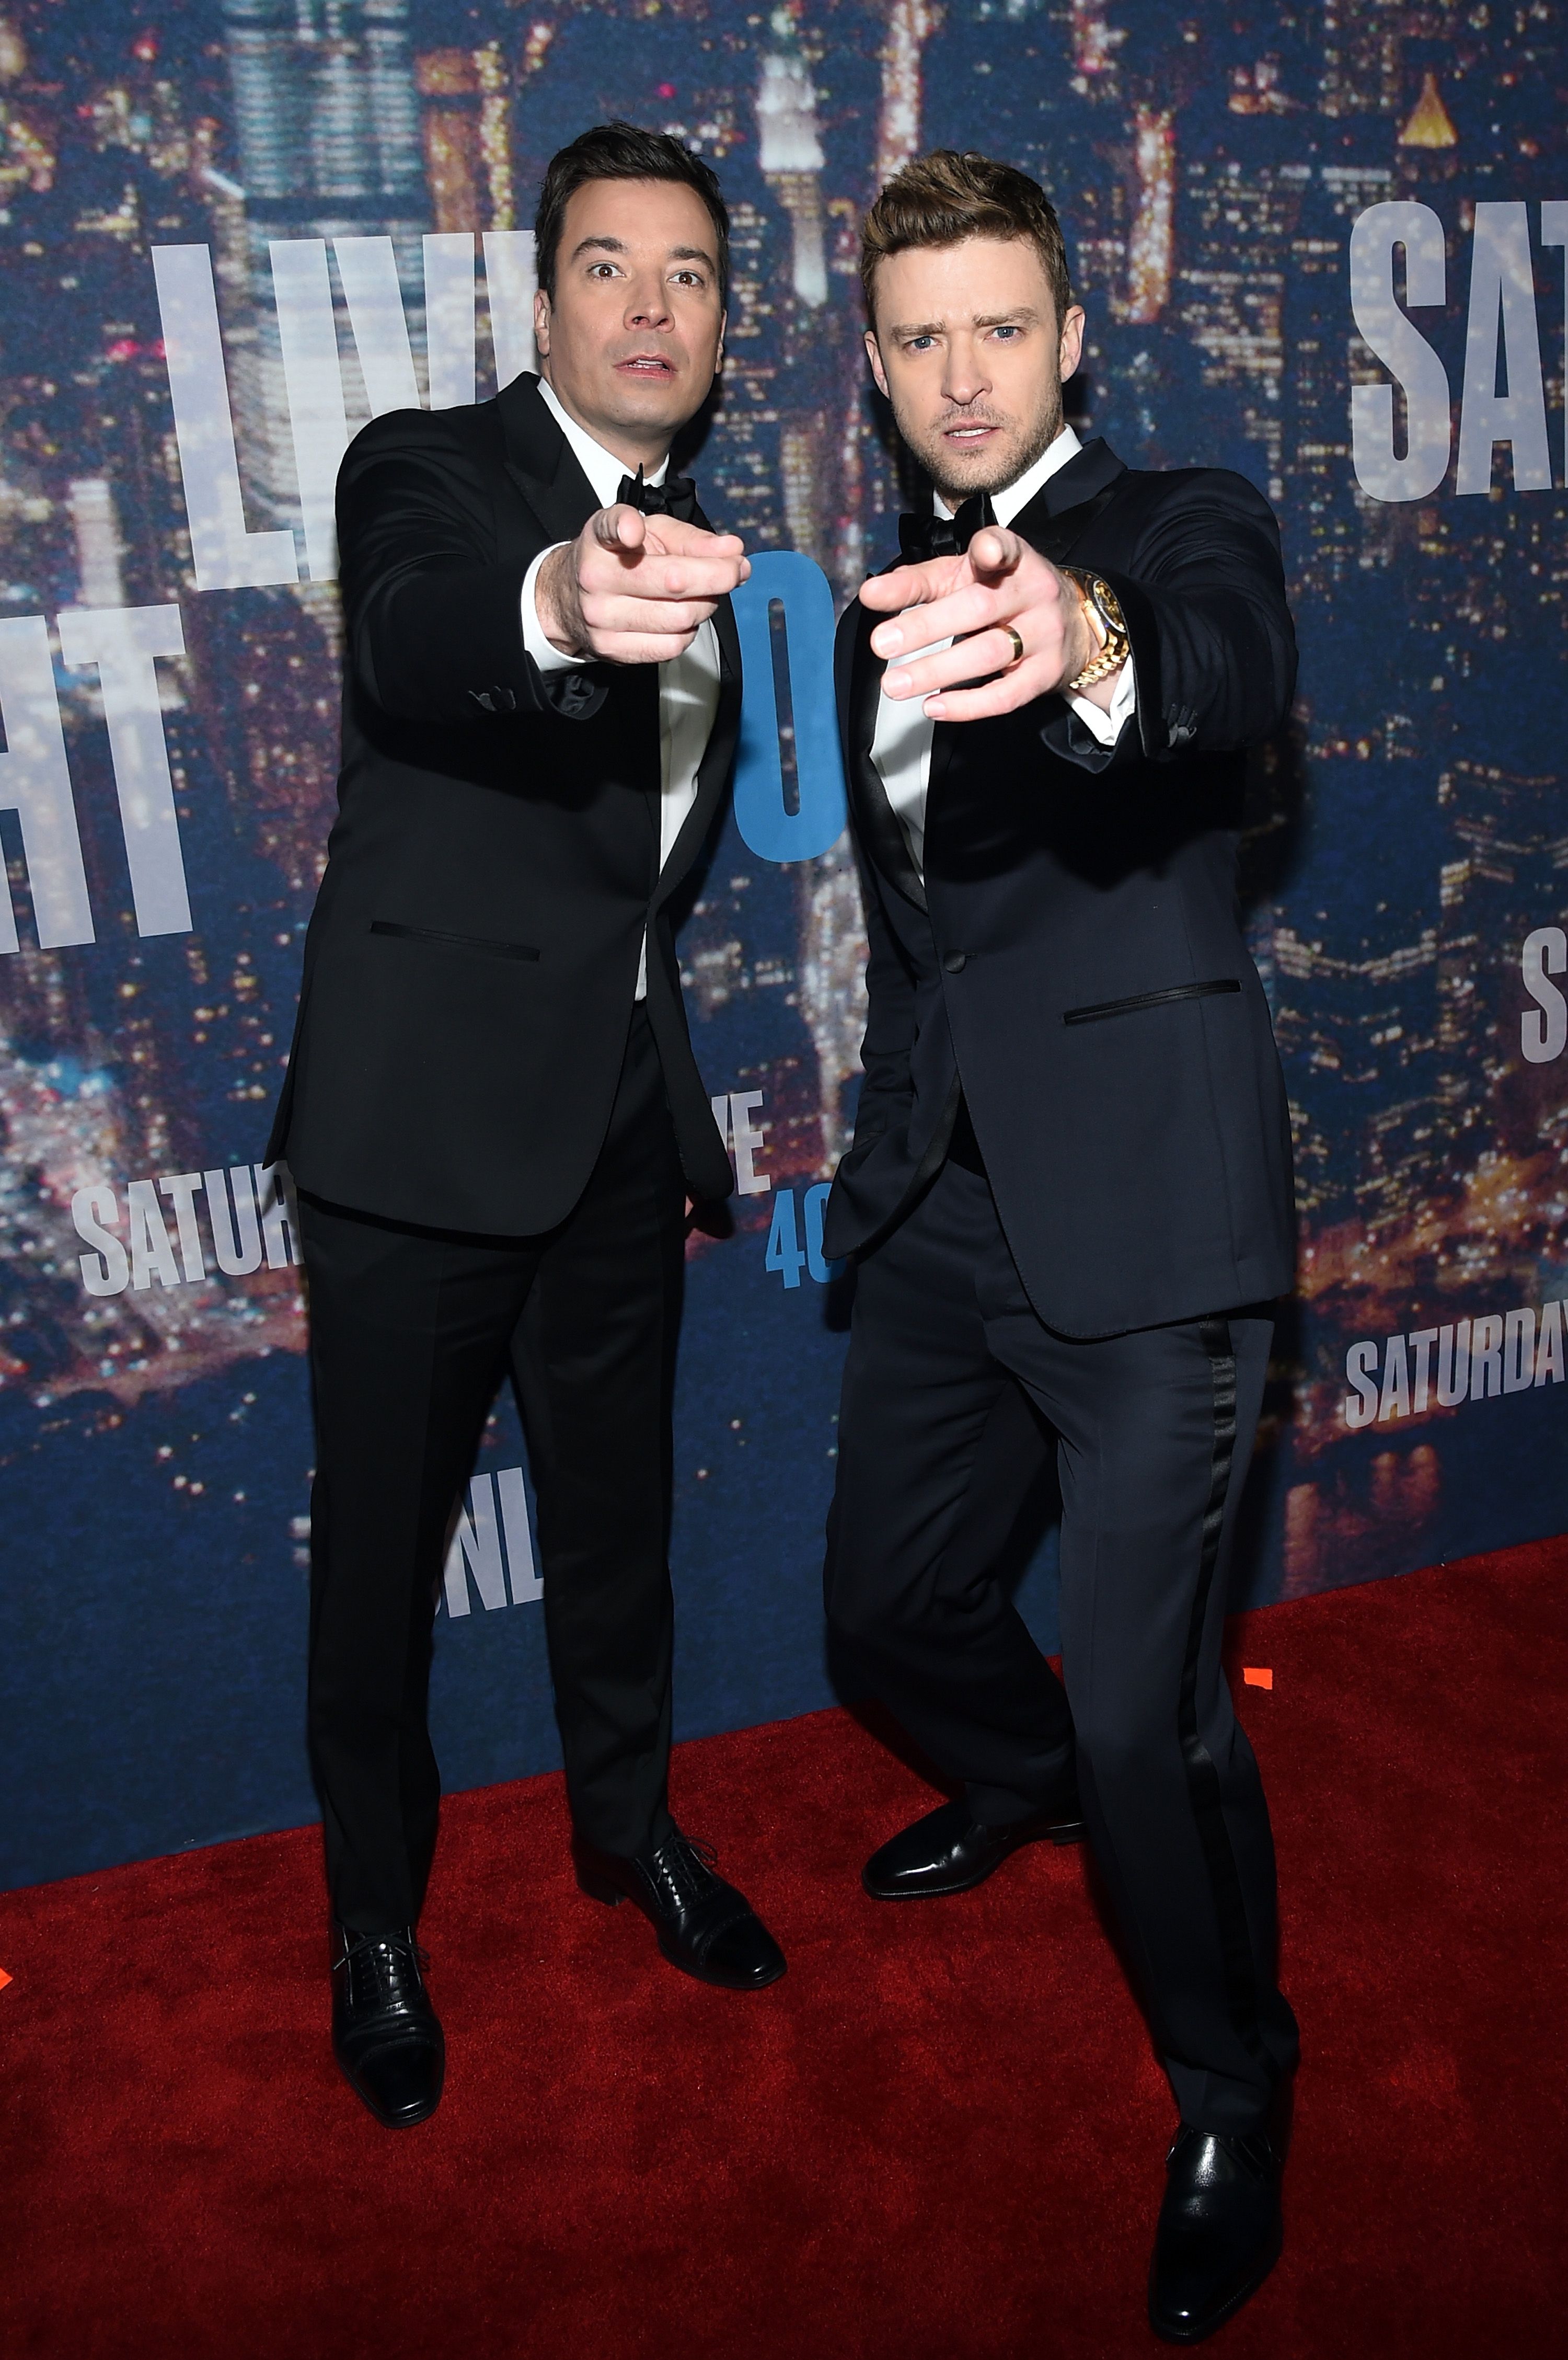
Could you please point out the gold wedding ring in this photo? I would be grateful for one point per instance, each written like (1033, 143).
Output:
(1018, 643)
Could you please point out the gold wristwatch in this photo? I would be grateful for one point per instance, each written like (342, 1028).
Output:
(1102, 612)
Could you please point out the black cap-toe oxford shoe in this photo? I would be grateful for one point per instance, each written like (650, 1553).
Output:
(704, 1927)
(948, 1850)
(1220, 2231)
(384, 2032)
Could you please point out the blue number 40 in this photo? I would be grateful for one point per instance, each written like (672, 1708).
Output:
(784, 1253)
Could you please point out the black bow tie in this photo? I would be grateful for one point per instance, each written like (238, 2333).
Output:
(676, 497)
(920, 537)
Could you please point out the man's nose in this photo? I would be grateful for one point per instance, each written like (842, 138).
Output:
(648, 303)
(964, 378)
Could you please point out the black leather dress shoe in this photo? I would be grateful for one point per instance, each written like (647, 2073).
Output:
(1219, 2233)
(705, 1928)
(384, 2032)
(948, 1850)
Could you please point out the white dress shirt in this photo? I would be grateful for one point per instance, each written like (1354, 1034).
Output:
(901, 745)
(688, 683)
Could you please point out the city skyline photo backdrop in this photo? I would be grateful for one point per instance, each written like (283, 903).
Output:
(1322, 245)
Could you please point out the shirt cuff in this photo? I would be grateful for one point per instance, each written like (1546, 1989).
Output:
(545, 653)
(1105, 727)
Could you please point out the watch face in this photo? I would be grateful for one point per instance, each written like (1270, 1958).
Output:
(1110, 609)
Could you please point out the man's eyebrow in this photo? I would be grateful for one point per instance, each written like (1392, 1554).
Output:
(618, 245)
(1017, 311)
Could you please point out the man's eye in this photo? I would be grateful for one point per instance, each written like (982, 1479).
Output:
(920, 343)
(689, 278)
(601, 270)
(1007, 331)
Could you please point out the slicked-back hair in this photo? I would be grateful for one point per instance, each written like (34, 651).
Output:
(620, 151)
(944, 198)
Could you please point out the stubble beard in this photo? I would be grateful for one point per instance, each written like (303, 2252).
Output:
(1006, 466)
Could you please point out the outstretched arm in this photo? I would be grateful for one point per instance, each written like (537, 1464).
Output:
(431, 615)
(434, 620)
(1212, 651)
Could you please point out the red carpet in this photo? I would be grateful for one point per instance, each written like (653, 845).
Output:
(938, 2139)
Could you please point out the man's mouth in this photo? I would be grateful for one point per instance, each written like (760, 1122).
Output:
(654, 364)
(969, 430)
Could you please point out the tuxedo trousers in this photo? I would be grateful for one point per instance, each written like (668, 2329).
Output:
(411, 1331)
(955, 1391)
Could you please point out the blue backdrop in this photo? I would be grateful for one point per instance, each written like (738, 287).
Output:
(1324, 246)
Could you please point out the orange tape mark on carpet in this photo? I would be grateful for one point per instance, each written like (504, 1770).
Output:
(4, 1978)
(1257, 1676)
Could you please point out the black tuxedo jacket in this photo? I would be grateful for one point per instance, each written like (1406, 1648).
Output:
(1073, 963)
(472, 960)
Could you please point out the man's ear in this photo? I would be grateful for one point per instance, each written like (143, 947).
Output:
(873, 354)
(1072, 347)
(719, 356)
(541, 321)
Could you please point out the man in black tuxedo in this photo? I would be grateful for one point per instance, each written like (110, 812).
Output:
(1069, 1191)
(492, 1110)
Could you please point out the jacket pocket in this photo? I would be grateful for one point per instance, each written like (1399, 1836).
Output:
(1092, 1015)
(453, 942)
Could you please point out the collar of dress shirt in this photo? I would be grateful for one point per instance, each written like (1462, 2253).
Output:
(1013, 500)
(602, 467)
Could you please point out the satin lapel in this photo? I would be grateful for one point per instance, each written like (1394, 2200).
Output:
(718, 758)
(1068, 501)
(541, 463)
(942, 743)
(718, 755)
(879, 826)
(725, 631)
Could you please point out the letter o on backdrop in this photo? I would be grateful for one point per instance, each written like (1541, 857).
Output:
(784, 578)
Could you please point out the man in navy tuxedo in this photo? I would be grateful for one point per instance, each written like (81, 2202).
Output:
(1069, 1192)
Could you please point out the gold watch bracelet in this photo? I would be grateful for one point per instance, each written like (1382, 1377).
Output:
(1108, 659)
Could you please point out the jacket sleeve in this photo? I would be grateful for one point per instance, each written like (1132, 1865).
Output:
(434, 619)
(1213, 650)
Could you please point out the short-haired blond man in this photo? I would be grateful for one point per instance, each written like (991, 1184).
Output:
(1068, 1192)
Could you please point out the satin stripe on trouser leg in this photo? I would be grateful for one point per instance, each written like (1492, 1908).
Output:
(1155, 1432)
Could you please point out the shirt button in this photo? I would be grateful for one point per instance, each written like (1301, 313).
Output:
(955, 962)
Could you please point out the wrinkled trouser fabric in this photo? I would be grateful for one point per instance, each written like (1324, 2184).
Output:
(949, 1375)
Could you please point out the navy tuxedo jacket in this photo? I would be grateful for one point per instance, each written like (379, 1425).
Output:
(1073, 963)
(471, 963)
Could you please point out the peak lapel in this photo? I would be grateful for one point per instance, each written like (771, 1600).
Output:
(1068, 500)
(718, 758)
(723, 621)
(541, 463)
(879, 826)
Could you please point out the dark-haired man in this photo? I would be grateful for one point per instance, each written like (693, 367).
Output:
(492, 1110)
(1069, 1192)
